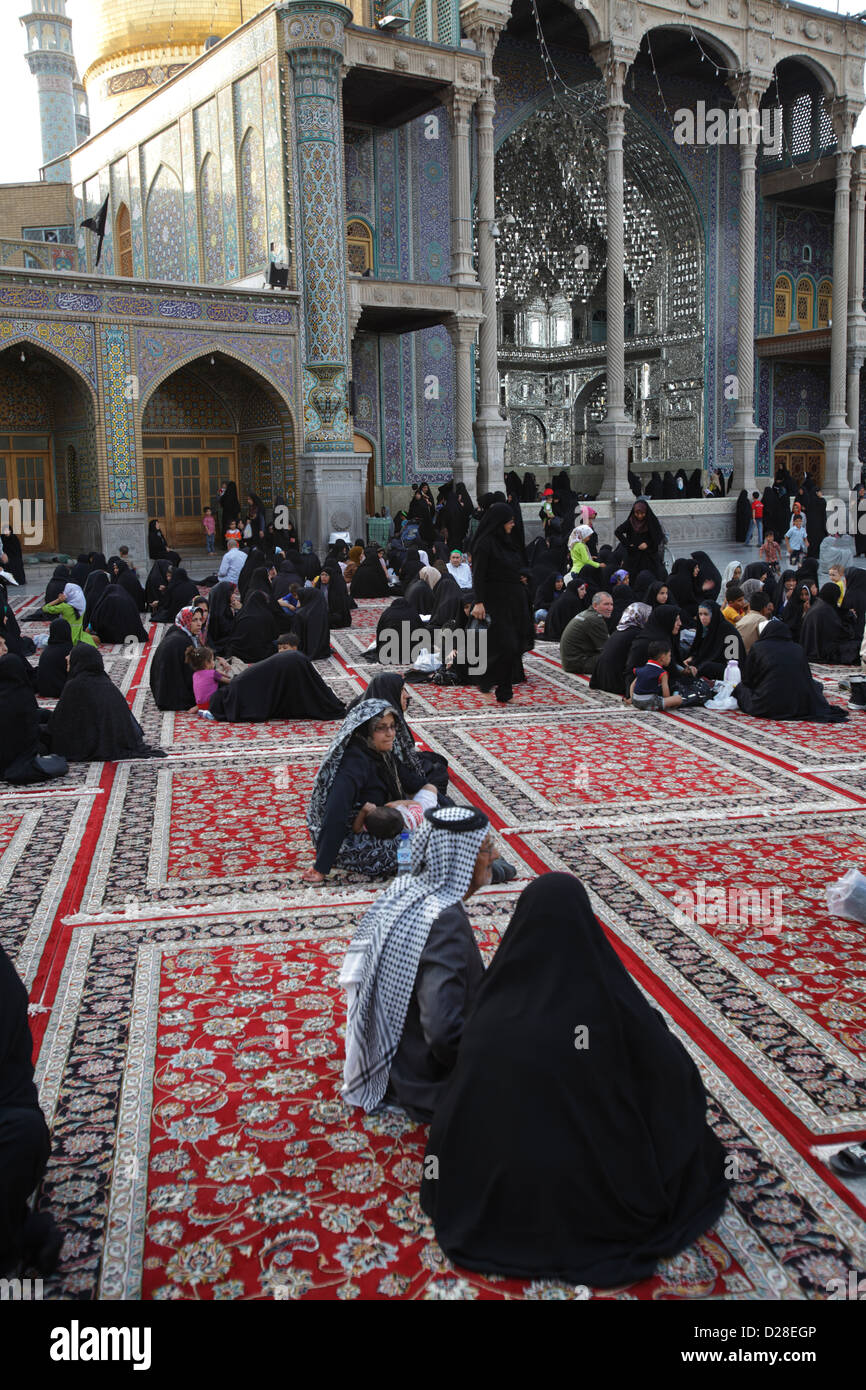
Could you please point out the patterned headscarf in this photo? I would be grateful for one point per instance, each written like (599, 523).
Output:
(404, 749)
(183, 621)
(636, 615)
(580, 533)
(381, 963)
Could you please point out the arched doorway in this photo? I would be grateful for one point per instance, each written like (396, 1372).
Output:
(362, 445)
(211, 422)
(800, 454)
(48, 465)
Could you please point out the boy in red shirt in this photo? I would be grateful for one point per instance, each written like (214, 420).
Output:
(757, 519)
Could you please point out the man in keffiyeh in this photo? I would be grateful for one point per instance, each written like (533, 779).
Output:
(413, 968)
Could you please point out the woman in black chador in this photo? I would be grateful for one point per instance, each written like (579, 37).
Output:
(572, 1141)
(642, 540)
(502, 597)
(92, 721)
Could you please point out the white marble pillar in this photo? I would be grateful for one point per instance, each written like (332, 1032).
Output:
(490, 428)
(837, 435)
(744, 433)
(616, 429)
(462, 330)
(856, 314)
(460, 111)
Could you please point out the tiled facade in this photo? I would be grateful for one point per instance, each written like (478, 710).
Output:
(248, 154)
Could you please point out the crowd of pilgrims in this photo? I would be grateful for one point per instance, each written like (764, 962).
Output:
(430, 1030)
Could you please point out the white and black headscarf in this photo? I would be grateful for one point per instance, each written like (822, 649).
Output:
(381, 963)
(404, 751)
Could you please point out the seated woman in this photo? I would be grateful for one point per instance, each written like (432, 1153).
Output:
(413, 969)
(370, 760)
(123, 575)
(9, 629)
(95, 587)
(255, 629)
(22, 750)
(370, 580)
(178, 593)
(610, 670)
(92, 722)
(391, 686)
(716, 643)
(574, 599)
(170, 677)
(312, 625)
(285, 686)
(333, 586)
(224, 602)
(777, 681)
(662, 625)
(684, 588)
(52, 669)
(574, 1152)
(825, 634)
(399, 620)
(115, 616)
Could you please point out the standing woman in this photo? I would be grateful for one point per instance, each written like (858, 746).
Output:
(230, 507)
(156, 542)
(256, 518)
(501, 597)
(643, 541)
(10, 555)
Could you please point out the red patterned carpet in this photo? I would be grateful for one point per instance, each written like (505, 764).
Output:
(189, 1022)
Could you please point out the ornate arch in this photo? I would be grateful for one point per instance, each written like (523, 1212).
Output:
(23, 335)
(203, 352)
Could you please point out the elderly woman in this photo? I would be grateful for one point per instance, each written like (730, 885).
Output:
(370, 761)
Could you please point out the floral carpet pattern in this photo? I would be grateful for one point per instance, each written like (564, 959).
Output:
(189, 1023)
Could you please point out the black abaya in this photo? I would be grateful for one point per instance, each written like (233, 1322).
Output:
(715, 645)
(707, 574)
(610, 669)
(496, 566)
(573, 1151)
(285, 686)
(115, 617)
(370, 580)
(778, 684)
(255, 629)
(178, 593)
(11, 547)
(313, 628)
(92, 721)
(337, 591)
(170, 676)
(19, 724)
(658, 628)
(220, 623)
(743, 517)
(824, 634)
(51, 671)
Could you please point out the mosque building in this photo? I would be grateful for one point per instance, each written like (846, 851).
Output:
(348, 248)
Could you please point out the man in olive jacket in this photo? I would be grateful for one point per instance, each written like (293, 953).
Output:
(583, 639)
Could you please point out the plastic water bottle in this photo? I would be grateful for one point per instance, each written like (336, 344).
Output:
(404, 854)
(732, 673)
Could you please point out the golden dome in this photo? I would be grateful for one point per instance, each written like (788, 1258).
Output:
(106, 29)
(127, 48)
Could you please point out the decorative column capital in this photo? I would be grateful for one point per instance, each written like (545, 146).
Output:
(483, 22)
(462, 328)
(747, 89)
(459, 103)
(614, 57)
(843, 113)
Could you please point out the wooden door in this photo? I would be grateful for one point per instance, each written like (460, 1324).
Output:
(26, 484)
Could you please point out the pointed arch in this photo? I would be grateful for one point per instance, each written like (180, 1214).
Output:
(164, 229)
(254, 218)
(123, 242)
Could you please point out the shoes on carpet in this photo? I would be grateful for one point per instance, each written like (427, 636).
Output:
(503, 872)
(205, 714)
(850, 1162)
